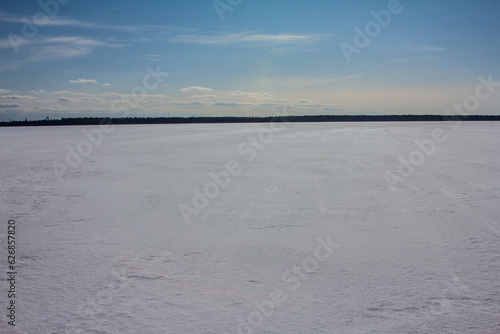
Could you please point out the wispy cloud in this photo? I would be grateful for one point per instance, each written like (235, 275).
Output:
(183, 103)
(9, 67)
(154, 57)
(73, 40)
(79, 81)
(5, 91)
(65, 92)
(230, 104)
(42, 53)
(252, 95)
(335, 108)
(17, 97)
(106, 84)
(204, 96)
(248, 38)
(426, 49)
(53, 21)
(4, 106)
(63, 47)
(66, 99)
(195, 89)
(5, 43)
(61, 21)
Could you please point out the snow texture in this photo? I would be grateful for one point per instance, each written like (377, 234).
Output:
(308, 237)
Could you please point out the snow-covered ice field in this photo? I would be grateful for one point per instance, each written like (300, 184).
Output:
(307, 235)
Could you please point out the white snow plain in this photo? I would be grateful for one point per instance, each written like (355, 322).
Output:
(308, 237)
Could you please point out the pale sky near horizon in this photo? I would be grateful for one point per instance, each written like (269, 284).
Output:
(79, 58)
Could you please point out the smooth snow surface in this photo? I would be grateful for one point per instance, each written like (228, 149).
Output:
(106, 249)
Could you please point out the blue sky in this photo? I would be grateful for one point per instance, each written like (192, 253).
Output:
(80, 58)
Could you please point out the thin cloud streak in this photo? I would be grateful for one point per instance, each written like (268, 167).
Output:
(4, 106)
(426, 49)
(195, 89)
(253, 95)
(248, 38)
(58, 21)
(51, 48)
(82, 81)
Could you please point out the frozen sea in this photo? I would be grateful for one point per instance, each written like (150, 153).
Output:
(303, 233)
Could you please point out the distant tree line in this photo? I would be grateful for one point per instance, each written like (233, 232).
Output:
(240, 119)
